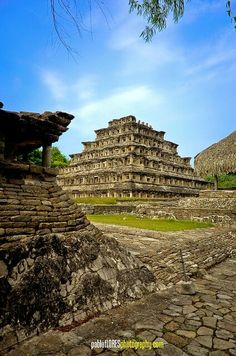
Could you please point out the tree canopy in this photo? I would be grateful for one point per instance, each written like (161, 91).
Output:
(58, 158)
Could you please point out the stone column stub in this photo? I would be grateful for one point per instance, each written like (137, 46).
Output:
(47, 155)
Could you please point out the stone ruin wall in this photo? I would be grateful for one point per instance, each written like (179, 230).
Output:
(56, 268)
(130, 159)
(211, 206)
(31, 203)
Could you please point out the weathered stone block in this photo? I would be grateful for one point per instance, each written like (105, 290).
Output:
(43, 208)
(8, 337)
(16, 231)
(3, 269)
(186, 287)
(36, 169)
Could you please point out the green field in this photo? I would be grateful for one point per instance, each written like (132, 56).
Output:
(148, 224)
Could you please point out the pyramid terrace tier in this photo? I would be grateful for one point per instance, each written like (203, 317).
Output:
(137, 155)
(126, 124)
(127, 183)
(128, 138)
(118, 170)
(129, 159)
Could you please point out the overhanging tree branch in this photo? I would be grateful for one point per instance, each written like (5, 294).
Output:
(155, 12)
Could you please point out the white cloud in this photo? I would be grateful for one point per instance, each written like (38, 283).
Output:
(63, 89)
(214, 63)
(126, 34)
(137, 56)
(213, 59)
(54, 83)
(167, 47)
(84, 88)
(124, 101)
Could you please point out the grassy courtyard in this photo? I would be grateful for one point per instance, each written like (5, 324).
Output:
(148, 224)
(112, 200)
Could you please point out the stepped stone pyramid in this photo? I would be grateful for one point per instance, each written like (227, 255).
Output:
(130, 159)
(56, 268)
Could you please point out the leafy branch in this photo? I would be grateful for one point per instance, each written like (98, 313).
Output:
(230, 13)
(155, 12)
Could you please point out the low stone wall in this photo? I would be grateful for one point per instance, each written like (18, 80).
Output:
(223, 217)
(198, 256)
(107, 209)
(210, 206)
(218, 193)
(211, 200)
(201, 249)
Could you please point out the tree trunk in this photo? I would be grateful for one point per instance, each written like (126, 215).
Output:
(216, 182)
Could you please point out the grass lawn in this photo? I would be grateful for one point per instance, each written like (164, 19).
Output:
(148, 224)
(112, 201)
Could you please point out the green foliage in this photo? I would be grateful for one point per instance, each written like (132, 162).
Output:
(230, 13)
(156, 12)
(36, 157)
(58, 159)
(148, 224)
(225, 180)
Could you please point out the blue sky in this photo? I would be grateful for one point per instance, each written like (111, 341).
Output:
(183, 82)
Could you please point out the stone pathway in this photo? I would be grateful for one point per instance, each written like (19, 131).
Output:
(200, 324)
